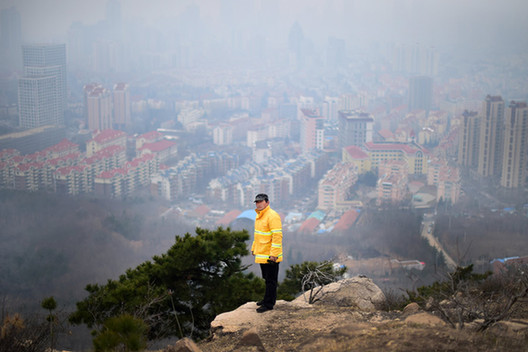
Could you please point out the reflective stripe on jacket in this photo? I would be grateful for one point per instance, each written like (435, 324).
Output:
(267, 239)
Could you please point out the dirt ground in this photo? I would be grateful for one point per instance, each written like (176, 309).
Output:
(326, 329)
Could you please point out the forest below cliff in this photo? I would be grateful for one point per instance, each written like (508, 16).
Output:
(55, 246)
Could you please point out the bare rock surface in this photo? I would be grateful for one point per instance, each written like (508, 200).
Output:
(424, 319)
(359, 292)
(411, 308)
(246, 316)
(346, 318)
(184, 345)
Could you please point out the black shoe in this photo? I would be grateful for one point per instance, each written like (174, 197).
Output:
(259, 303)
(263, 309)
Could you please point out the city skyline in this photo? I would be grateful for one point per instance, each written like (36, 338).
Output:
(449, 25)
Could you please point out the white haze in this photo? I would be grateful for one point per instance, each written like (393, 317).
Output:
(478, 27)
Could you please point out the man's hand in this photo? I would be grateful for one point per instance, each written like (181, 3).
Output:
(273, 259)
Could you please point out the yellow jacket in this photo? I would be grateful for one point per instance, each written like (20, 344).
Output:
(268, 236)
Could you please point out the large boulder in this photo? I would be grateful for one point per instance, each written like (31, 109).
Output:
(424, 318)
(246, 316)
(358, 292)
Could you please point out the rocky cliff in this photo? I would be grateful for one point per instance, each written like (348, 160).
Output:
(348, 316)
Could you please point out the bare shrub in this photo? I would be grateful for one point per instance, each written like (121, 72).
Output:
(467, 297)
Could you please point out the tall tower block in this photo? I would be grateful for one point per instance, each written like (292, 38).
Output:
(515, 150)
(490, 137)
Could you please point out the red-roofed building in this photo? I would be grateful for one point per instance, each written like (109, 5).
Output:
(149, 137)
(73, 179)
(163, 150)
(386, 135)
(309, 225)
(358, 157)
(391, 188)
(200, 212)
(6, 154)
(501, 266)
(7, 170)
(414, 155)
(346, 220)
(139, 172)
(125, 180)
(228, 218)
(27, 176)
(104, 139)
(64, 147)
(110, 183)
(335, 185)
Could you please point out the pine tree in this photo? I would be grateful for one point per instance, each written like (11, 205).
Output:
(179, 292)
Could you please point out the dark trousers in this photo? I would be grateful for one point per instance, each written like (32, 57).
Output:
(270, 274)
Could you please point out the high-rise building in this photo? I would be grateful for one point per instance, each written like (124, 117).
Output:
(415, 59)
(10, 38)
(296, 46)
(42, 90)
(515, 146)
(98, 106)
(312, 130)
(355, 128)
(304, 102)
(490, 137)
(330, 108)
(468, 144)
(121, 105)
(223, 134)
(38, 102)
(420, 93)
(494, 142)
(44, 59)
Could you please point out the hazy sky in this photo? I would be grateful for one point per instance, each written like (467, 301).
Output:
(466, 22)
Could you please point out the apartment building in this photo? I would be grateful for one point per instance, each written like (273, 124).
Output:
(355, 128)
(99, 107)
(358, 157)
(334, 188)
(392, 185)
(414, 155)
(515, 146)
(105, 138)
(446, 179)
(312, 130)
(490, 136)
(122, 105)
(468, 143)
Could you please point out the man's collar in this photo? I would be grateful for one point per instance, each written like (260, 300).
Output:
(263, 210)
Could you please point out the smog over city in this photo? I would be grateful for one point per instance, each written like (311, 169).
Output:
(391, 136)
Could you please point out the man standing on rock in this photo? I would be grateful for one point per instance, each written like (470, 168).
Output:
(267, 249)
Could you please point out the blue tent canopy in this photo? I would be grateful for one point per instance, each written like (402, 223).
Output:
(248, 214)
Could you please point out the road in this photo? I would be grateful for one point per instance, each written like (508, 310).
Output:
(427, 232)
